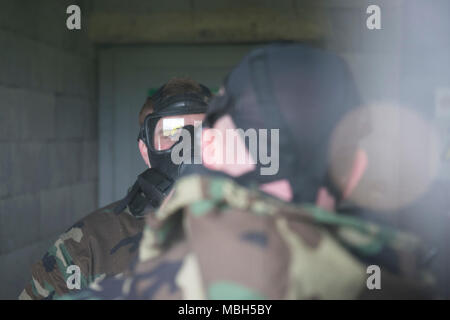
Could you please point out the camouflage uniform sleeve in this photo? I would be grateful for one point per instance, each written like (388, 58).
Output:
(49, 275)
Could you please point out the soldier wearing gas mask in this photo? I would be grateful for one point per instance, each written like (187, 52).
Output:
(159, 134)
(105, 242)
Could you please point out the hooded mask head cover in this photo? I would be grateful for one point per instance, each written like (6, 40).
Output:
(176, 112)
(299, 90)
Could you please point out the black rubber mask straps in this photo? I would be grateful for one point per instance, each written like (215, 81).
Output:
(273, 119)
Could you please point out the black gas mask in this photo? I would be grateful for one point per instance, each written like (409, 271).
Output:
(162, 129)
(173, 122)
(162, 133)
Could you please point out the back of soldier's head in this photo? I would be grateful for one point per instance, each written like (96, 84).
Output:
(303, 92)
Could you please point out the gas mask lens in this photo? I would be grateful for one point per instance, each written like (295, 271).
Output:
(168, 129)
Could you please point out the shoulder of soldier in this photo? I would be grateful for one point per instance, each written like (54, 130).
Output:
(103, 232)
(100, 233)
(98, 236)
(105, 218)
(104, 213)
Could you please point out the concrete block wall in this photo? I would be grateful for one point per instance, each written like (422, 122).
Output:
(48, 132)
